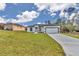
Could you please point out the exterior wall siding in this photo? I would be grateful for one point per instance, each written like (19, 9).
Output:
(28, 29)
(33, 29)
(18, 28)
(41, 29)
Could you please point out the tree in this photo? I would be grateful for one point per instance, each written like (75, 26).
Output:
(49, 22)
(67, 27)
(58, 22)
(70, 27)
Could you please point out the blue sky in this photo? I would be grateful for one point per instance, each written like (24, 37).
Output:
(30, 13)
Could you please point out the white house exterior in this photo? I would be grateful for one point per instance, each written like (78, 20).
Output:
(43, 28)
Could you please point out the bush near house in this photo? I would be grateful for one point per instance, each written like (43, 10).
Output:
(64, 29)
(77, 28)
(21, 43)
(67, 28)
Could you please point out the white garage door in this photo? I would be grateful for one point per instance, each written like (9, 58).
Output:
(51, 30)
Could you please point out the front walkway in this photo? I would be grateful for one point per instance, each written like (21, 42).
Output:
(69, 44)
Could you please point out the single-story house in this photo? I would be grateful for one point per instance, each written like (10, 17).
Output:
(44, 28)
(14, 27)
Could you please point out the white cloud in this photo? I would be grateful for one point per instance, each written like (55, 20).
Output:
(26, 16)
(52, 14)
(39, 23)
(30, 15)
(4, 16)
(60, 6)
(66, 15)
(72, 15)
(53, 7)
(41, 6)
(2, 6)
(62, 13)
(2, 20)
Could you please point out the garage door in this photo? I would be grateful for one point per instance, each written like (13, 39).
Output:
(52, 30)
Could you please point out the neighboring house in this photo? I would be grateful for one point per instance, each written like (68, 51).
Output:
(43, 28)
(14, 27)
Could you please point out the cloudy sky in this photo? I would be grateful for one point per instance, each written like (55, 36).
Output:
(33, 13)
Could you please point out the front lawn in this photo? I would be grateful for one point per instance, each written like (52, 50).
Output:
(21, 43)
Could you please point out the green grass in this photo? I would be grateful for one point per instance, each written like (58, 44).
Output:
(21, 43)
(72, 35)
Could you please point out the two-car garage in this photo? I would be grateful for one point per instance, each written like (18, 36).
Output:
(52, 30)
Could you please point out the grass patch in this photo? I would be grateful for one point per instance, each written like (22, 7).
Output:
(21, 43)
(72, 35)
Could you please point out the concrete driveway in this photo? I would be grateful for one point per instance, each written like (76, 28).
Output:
(69, 44)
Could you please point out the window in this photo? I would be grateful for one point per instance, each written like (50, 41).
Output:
(36, 27)
(30, 29)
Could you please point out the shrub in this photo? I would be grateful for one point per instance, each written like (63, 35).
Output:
(67, 28)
